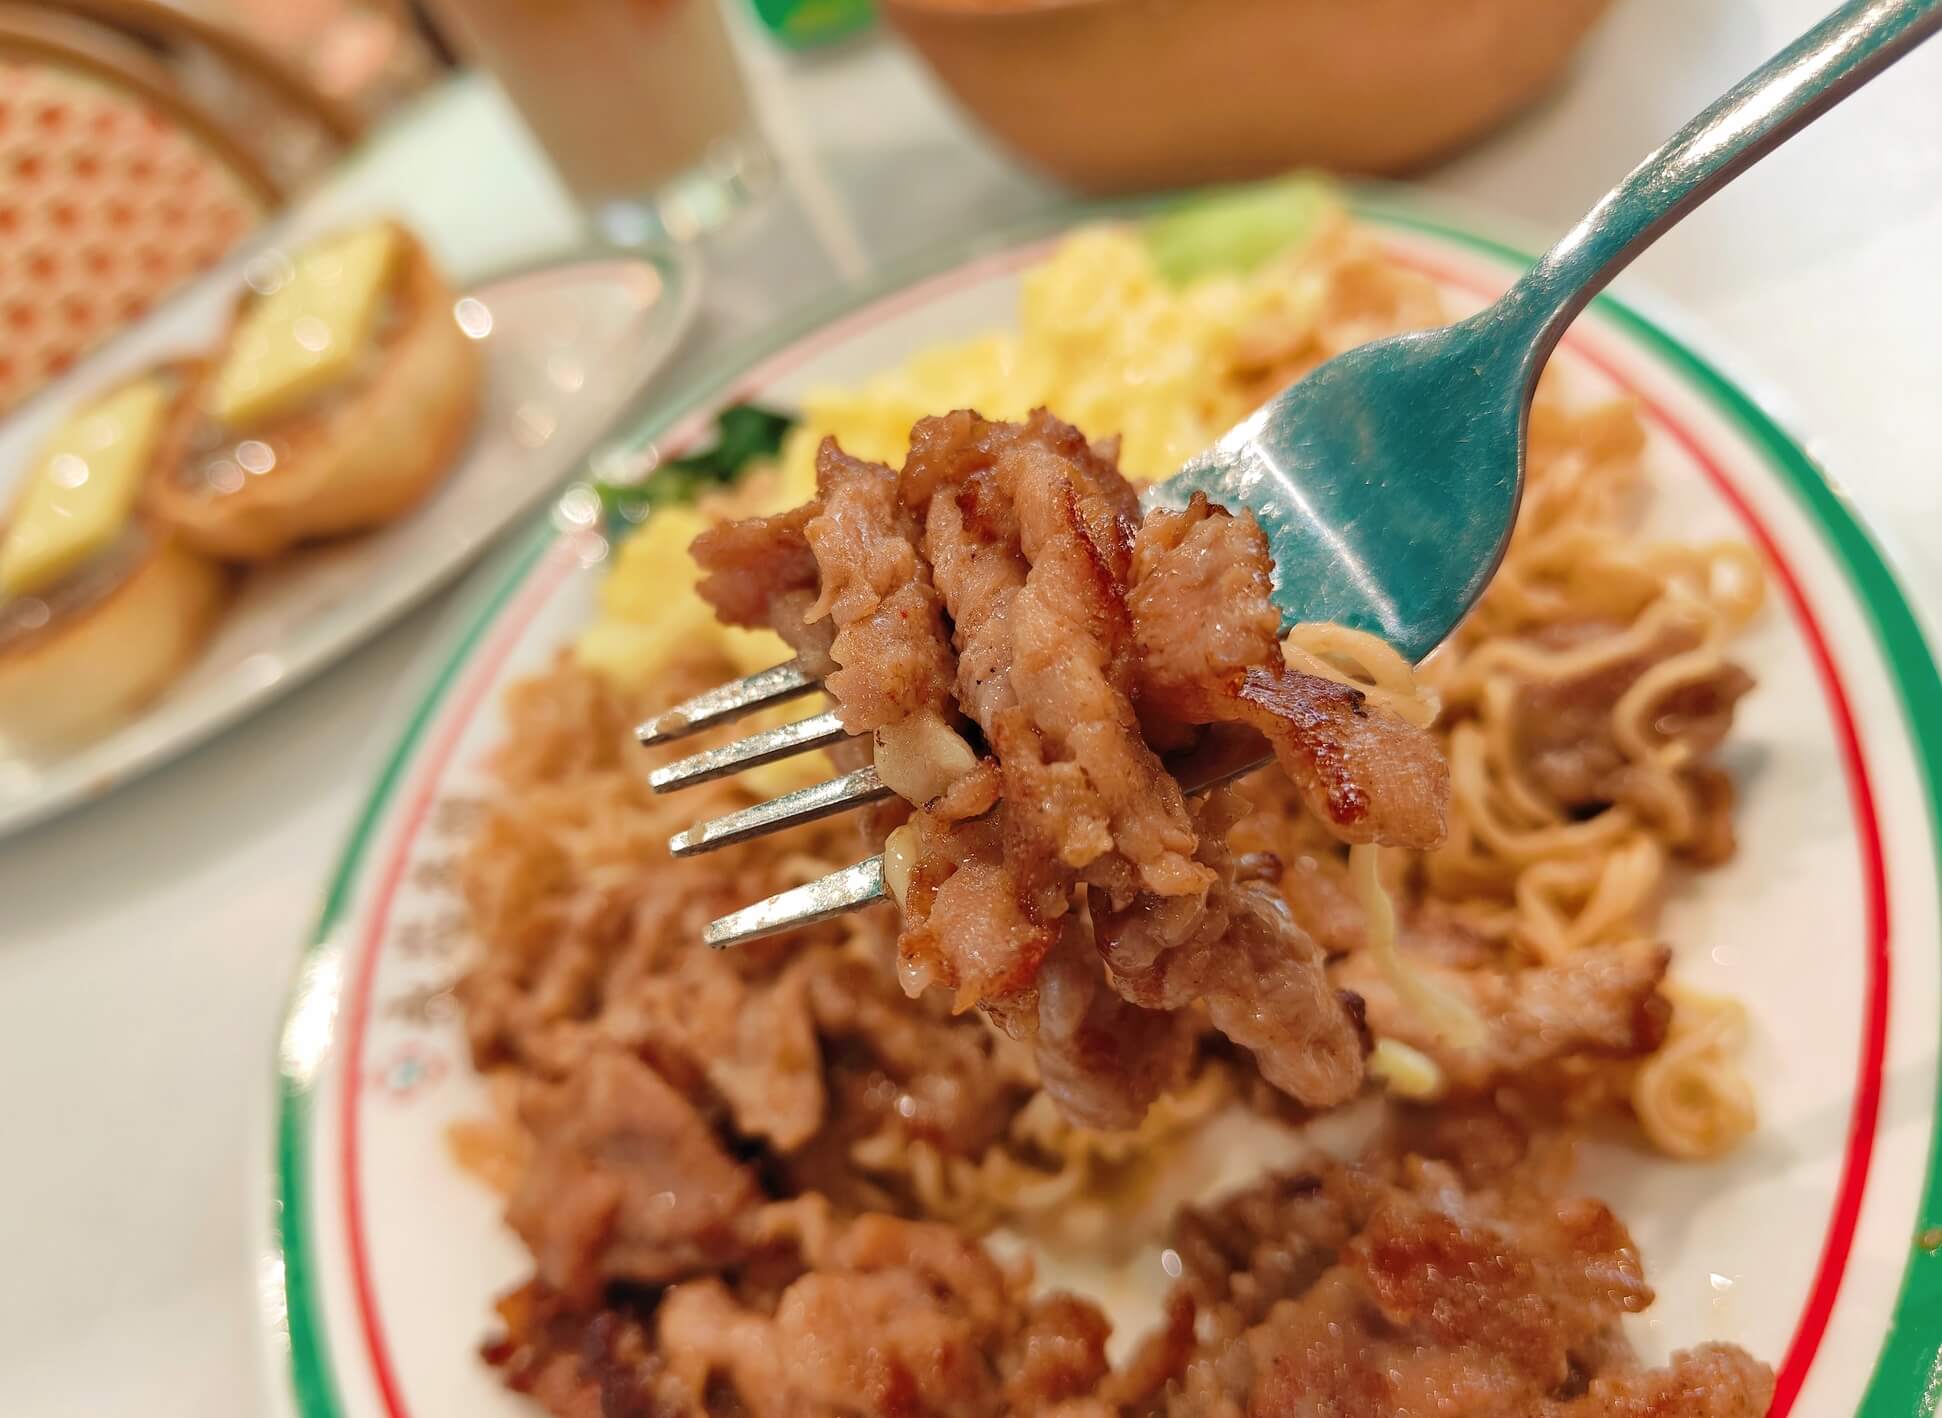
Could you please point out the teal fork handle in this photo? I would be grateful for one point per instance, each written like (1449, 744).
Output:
(1792, 89)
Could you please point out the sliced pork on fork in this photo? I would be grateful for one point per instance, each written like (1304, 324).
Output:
(1001, 597)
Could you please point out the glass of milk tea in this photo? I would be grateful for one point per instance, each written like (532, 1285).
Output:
(640, 104)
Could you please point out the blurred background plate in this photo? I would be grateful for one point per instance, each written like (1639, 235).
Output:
(567, 349)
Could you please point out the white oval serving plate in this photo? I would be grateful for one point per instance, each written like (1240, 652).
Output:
(380, 1258)
(567, 349)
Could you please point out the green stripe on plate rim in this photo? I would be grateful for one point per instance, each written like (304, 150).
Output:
(1907, 1378)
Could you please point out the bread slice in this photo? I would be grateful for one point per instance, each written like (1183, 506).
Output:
(88, 668)
(356, 457)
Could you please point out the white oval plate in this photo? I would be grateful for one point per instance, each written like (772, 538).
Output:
(381, 1258)
(567, 349)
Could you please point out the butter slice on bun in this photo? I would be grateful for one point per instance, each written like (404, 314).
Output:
(101, 603)
(344, 392)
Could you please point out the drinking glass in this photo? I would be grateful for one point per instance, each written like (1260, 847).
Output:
(640, 104)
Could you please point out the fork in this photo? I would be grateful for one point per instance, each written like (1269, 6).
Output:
(1387, 480)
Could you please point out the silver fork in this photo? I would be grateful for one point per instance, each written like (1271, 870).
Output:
(1387, 480)
(1221, 760)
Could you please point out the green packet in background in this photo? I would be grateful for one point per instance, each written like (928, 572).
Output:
(799, 24)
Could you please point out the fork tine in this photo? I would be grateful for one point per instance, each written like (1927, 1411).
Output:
(818, 731)
(827, 896)
(728, 701)
(863, 884)
(804, 805)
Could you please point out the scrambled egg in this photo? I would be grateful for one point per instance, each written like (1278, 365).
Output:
(1102, 339)
(650, 612)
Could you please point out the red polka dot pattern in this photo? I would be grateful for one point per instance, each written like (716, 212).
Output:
(105, 207)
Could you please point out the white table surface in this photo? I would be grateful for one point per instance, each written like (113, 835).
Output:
(146, 941)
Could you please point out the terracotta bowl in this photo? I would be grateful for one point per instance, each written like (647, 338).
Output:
(1123, 95)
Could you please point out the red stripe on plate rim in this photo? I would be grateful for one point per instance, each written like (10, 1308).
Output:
(1838, 1243)
(551, 574)
(1864, 1117)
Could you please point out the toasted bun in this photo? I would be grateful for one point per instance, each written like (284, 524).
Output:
(85, 670)
(358, 461)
